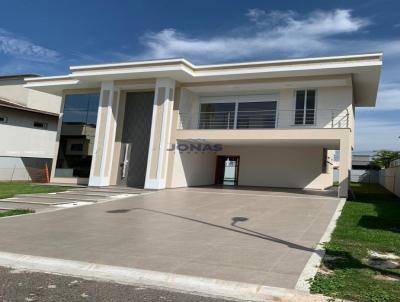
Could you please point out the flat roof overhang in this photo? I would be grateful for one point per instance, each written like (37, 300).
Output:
(365, 71)
(328, 138)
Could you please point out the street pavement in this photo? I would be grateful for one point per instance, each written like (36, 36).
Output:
(16, 286)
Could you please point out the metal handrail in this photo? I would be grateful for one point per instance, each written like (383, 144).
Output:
(330, 118)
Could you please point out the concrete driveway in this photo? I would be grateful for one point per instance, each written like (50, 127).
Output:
(248, 235)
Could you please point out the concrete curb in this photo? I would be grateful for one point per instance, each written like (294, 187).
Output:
(312, 266)
(175, 282)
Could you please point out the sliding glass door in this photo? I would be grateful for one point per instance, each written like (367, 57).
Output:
(256, 115)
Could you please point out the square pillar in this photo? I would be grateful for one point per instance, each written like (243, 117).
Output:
(104, 141)
(344, 167)
(160, 134)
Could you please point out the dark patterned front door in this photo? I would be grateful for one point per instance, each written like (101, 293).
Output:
(136, 138)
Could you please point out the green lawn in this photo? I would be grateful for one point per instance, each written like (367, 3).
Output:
(8, 189)
(370, 222)
(15, 212)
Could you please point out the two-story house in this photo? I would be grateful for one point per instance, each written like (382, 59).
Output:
(28, 130)
(170, 123)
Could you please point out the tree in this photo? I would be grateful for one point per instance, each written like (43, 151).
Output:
(383, 158)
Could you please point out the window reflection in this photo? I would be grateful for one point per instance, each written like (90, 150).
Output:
(217, 116)
(78, 129)
(256, 115)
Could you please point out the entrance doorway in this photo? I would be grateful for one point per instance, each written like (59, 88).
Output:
(135, 139)
(227, 170)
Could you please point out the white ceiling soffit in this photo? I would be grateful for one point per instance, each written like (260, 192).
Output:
(326, 143)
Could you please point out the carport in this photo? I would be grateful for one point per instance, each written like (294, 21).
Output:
(283, 158)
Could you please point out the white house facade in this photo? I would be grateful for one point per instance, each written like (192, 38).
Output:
(169, 123)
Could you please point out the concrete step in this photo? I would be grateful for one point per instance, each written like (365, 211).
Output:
(5, 205)
(43, 201)
(89, 193)
(110, 190)
(59, 196)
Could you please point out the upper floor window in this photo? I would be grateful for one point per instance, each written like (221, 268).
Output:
(40, 125)
(3, 119)
(217, 116)
(305, 107)
(256, 115)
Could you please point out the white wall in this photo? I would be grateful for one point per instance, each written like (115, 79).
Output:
(390, 179)
(272, 166)
(291, 167)
(193, 169)
(20, 139)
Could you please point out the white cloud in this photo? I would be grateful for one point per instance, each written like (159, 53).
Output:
(22, 48)
(261, 17)
(284, 33)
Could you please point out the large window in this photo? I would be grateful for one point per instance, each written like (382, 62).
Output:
(77, 135)
(305, 107)
(256, 115)
(217, 116)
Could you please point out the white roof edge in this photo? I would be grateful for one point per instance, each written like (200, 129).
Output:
(38, 79)
(355, 56)
(133, 63)
(184, 61)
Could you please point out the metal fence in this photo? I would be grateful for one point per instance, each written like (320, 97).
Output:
(395, 163)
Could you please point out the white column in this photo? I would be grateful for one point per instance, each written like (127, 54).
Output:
(160, 134)
(345, 166)
(103, 149)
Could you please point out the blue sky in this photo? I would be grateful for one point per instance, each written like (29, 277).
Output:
(47, 36)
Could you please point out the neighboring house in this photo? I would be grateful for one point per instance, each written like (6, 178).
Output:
(170, 123)
(362, 161)
(363, 170)
(28, 130)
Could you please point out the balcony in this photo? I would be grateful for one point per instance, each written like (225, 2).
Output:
(265, 119)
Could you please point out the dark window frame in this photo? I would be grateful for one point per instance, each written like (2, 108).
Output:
(40, 125)
(217, 119)
(305, 116)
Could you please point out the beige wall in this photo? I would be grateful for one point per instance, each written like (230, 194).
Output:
(118, 138)
(193, 169)
(337, 100)
(293, 167)
(14, 91)
(44, 101)
(390, 179)
(271, 166)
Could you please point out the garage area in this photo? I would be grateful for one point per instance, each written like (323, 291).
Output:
(281, 166)
(260, 236)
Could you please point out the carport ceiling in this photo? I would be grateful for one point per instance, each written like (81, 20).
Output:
(330, 144)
